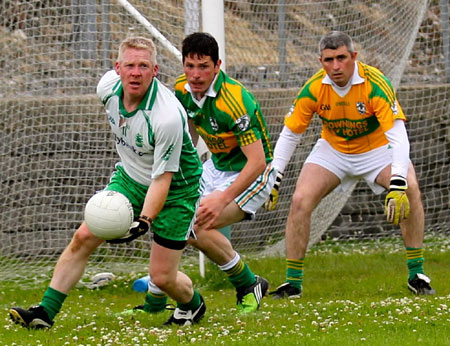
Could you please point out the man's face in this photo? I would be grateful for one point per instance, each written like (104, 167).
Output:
(338, 64)
(136, 72)
(200, 72)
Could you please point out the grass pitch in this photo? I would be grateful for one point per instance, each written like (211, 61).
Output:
(354, 294)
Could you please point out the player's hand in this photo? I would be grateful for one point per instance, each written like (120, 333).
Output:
(396, 204)
(137, 229)
(271, 202)
(209, 210)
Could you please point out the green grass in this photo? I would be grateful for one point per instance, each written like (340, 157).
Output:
(354, 294)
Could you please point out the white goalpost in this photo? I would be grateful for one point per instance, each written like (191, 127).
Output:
(213, 22)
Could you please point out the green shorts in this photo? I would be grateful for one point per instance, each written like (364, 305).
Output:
(174, 224)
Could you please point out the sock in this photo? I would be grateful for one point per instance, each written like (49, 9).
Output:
(155, 299)
(193, 304)
(52, 302)
(294, 272)
(238, 272)
(414, 261)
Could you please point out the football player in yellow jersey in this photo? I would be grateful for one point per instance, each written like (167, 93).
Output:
(363, 137)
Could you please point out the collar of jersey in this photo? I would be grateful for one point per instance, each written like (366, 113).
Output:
(146, 103)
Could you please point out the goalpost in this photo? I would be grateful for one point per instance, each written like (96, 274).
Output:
(57, 150)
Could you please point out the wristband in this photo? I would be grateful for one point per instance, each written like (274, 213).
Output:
(146, 218)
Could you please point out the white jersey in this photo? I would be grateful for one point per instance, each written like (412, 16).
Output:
(149, 141)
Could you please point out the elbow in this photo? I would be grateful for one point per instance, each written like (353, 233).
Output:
(260, 166)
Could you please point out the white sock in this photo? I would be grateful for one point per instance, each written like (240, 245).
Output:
(231, 264)
(154, 289)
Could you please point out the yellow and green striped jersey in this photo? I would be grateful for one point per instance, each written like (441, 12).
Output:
(226, 122)
(352, 124)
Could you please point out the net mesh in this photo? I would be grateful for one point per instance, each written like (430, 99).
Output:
(57, 149)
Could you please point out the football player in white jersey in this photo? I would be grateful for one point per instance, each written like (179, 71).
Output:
(159, 172)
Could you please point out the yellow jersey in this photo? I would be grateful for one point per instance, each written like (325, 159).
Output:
(354, 123)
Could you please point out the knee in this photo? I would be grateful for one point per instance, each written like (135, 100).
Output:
(300, 204)
(162, 280)
(84, 239)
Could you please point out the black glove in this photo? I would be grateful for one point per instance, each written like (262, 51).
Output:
(137, 229)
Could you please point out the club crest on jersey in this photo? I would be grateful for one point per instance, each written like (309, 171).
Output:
(394, 108)
(361, 107)
(243, 122)
(214, 124)
(139, 140)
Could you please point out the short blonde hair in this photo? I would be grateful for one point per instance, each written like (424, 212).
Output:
(138, 42)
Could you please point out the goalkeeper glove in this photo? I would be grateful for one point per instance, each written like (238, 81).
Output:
(396, 204)
(137, 229)
(271, 202)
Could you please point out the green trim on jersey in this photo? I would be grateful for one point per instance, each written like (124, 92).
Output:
(305, 92)
(146, 103)
(228, 121)
(381, 86)
(190, 165)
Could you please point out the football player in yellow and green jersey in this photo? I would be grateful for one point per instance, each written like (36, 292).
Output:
(354, 124)
(363, 137)
(230, 118)
(239, 176)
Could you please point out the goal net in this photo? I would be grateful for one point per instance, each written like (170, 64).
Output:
(57, 149)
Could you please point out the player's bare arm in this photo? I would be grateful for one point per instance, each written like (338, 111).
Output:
(212, 205)
(156, 195)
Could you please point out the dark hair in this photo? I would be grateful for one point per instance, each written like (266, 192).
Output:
(334, 40)
(200, 44)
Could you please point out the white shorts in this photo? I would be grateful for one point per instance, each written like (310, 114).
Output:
(252, 198)
(352, 167)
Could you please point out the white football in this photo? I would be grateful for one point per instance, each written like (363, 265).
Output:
(108, 215)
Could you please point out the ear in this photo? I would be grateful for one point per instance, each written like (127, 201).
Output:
(217, 67)
(155, 70)
(117, 67)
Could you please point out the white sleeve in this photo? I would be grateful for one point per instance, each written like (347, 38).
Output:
(398, 139)
(285, 147)
(106, 84)
(168, 132)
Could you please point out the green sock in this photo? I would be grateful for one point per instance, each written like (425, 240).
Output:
(414, 261)
(193, 304)
(155, 302)
(294, 272)
(240, 275)
(52, 302)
